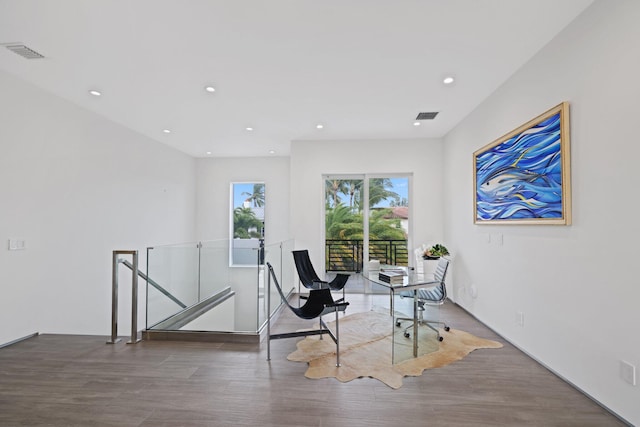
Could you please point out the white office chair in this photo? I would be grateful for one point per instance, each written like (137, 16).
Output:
(434, 295)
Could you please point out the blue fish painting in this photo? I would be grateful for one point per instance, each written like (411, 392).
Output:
(521, 177)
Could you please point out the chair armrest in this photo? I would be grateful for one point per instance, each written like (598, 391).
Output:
(339, 305)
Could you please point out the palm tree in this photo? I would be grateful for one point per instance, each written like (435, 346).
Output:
(343, 224)
(353, 189)
(332, 188)
(380, 189)
(256, 197)
(381, 228)
(402, 202)
(245, 224)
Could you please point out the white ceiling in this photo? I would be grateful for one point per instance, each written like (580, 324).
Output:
(362, 68)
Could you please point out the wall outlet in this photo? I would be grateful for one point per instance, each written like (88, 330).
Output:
(628, 372)
(520, 318)
(473, 291)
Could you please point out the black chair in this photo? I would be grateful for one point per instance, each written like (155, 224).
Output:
(317, 305)
(434, 295)
(310, 279)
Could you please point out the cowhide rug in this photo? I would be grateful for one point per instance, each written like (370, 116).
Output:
(365, 351)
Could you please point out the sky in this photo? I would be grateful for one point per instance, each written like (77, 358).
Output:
(238, 189)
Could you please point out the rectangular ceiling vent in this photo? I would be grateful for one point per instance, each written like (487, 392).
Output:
(24, 51)
(427, 116)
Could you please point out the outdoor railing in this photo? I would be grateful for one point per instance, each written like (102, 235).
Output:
(347, 255)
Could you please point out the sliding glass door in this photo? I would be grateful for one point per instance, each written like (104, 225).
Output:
(366, 217)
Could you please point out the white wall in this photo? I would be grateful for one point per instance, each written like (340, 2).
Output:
(576, 285)
(310, 160)
(77, 187)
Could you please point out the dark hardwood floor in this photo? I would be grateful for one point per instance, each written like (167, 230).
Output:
(63, 380)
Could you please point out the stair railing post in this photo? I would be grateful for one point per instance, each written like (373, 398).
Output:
(268, 314)
(114, 297)
(134, 300)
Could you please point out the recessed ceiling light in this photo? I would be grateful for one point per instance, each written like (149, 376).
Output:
(210, 89)
(272, 151)
(208, 152)
(95, 92)
(416, 123)
(319, 126)
(249, 129)
(448, 80)
(166, 130)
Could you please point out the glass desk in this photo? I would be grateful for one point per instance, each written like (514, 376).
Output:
(424, 340)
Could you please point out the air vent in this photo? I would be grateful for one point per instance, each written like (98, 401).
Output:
(24, 51)
(427, 116)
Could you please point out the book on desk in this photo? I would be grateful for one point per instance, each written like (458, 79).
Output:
(393, 277)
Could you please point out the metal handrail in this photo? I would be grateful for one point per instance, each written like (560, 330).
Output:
(154, 284)
(182, 318)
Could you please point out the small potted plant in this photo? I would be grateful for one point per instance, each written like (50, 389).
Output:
(435, 251)
(430, 257)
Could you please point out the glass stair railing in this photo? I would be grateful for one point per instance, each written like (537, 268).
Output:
(204, 290)
(196, 288)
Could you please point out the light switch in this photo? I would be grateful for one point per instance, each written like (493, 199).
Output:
(17, 244)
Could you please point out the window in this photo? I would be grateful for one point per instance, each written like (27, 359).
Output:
(247, 222)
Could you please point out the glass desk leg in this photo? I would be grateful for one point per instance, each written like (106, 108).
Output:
(411, 338)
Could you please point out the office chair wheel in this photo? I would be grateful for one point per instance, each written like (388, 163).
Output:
(407, 334)
(398, 323)
(446, 328)
(440, 338)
